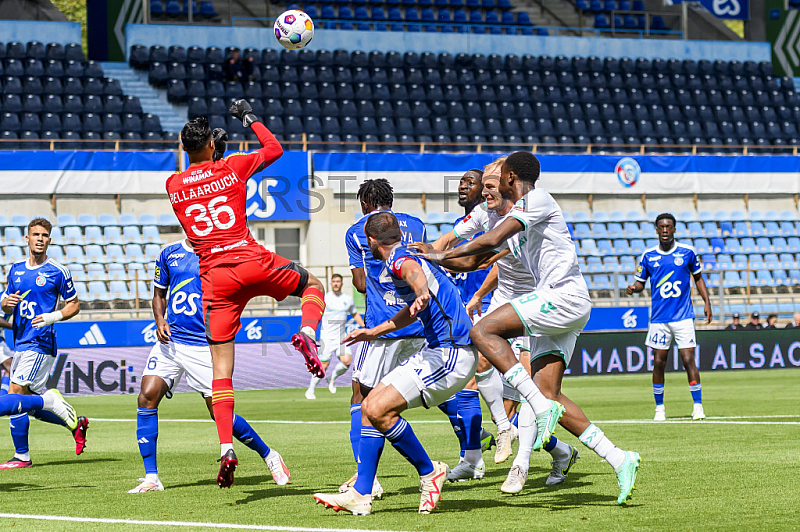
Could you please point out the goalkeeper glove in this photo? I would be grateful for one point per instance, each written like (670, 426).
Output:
(220, 138)
(241, 110)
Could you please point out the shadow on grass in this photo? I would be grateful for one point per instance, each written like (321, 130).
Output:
(21, 487)
(77, 461)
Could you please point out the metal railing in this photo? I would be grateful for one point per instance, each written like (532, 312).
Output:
(305, 144)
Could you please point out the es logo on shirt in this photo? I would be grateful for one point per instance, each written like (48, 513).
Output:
(678, 261)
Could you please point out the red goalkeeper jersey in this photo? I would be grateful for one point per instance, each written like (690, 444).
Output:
(210, 199)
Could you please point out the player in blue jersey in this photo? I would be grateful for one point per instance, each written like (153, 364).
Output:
(182, 347)
(370, 276)
(430, 377)
(671, 266)
(6, 357)
(32, 292)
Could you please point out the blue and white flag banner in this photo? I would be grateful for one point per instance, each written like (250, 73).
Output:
(433, 173)
(732, 9)
(84, 172)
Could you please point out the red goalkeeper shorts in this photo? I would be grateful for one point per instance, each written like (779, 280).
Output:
(227, 289)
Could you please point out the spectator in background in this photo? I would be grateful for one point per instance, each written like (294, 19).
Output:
(734, 325)
(236, 69)
(772, 320)
(753, 324)
(794, 324)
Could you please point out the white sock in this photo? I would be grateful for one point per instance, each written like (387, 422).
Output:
(151, 477)
(473, 457)
(519, 379)
(313, 384)
(490, 386)
(594, 439)
(338, 370)
(49, 401)
(224, 448)
(25, 457)
(527, 435)
(311, 333)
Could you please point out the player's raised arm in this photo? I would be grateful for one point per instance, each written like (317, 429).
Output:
(270, 151)
(475, 303)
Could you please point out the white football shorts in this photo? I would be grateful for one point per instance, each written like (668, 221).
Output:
(660, 335)
(432, 376)
(378, 357)
(553, 320)
(329, 348)
(5, 353)
(32, 369)
(170, 361)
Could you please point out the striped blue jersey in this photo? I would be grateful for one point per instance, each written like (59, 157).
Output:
(670, 273)
(445, 319)
(178, 272)
(40, 288)
(381, 300)
(469, 282)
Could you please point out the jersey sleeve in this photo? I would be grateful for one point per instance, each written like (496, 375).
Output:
(10, 285)
(67, 287)
(467, 227)
(695, 265)
(245, 164)
(531, 209)
(395, 262)
(161, 277)
(354, 250)
(642, 272)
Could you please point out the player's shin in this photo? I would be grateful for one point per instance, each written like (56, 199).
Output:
(222, 404)
(450, 409)
(4, 384)
(312, 306)
(518, 377)
(469, 411)
(355, 429)
(596, 440)
(20, 425)
(243, 432)
(49, 417)
(403, 439)
(527, 435)
(147, 438)
(490, 385)
(13, 403)
(370, 450)
(338, 371)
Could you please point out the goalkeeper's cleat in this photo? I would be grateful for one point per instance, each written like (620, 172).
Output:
(515, 480)
(504, 450)
(466, 471)
(61, 408)
(661, 413)
(377, 489)
(487, 440)
(308, 348)
(227, 466)
(16, 463)
(276, 465)
(697, 412)
(626, 476)
(349, 501)
(80, 434)
(546, 424)
(430, 486)
(146, 485)
(561, 467)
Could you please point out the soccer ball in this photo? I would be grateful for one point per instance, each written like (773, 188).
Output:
(294, 29)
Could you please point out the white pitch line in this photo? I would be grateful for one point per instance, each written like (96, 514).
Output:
(233, 526)
(735, 420)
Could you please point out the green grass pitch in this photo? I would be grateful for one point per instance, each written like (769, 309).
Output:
(733, 473)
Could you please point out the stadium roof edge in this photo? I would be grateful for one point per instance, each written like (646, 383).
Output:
(45, 31)
(205, 36)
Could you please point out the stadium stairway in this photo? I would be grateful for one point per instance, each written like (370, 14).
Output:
(559, 13)
(153, 100)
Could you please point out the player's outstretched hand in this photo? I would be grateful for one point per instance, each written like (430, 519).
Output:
(475, 305)
(359, 335)
(426, 251)
(241, 110)
(220, 138)
(419, 304)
